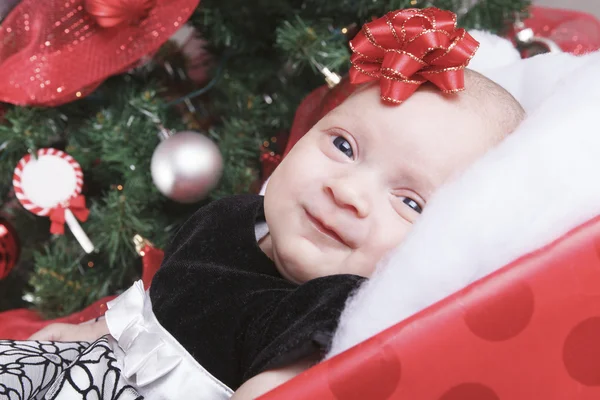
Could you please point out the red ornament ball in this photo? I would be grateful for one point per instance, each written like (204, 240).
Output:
(10, 248)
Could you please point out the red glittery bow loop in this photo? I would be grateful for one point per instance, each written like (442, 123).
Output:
(110, 13)
(406, 48)
(57, 214)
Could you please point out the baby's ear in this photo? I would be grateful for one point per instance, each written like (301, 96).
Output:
(494, 51)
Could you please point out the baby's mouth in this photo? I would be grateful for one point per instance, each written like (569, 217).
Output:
(324, 229)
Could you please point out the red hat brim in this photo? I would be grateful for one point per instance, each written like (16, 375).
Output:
(315, 106)
(53, 51)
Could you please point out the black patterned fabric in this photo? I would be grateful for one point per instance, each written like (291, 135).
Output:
(61, 371)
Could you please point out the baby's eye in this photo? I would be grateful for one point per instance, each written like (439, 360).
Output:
(411, 203)
(344, 146)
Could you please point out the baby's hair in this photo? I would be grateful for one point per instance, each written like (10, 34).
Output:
(495, 103)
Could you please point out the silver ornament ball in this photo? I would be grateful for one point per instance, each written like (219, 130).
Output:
(186, 166)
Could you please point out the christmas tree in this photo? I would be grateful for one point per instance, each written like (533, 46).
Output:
(237, 80)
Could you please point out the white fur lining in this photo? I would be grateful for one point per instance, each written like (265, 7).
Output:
(534, 187)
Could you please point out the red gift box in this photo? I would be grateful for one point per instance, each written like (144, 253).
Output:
(528, 331)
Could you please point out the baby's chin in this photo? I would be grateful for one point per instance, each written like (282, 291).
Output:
(292, 270)
(302, 263)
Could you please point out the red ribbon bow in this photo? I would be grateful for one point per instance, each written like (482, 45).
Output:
(57, 214)
(406, 48)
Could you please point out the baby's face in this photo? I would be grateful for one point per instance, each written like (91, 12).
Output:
(352, 187)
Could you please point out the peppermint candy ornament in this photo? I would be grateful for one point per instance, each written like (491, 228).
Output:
(50, 185)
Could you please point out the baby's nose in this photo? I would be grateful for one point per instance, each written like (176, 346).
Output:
(350, 197)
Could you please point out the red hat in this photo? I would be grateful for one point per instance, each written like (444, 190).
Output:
(55, 51)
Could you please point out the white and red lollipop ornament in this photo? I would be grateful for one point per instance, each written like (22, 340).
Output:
(50, 186)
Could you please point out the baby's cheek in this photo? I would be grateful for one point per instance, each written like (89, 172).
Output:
(370, 259)
(392, 238)
(367, 269)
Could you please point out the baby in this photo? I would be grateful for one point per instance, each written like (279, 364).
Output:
(252, 288)
(346, 194)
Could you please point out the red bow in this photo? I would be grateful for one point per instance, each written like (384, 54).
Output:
(56, 51)
(57, 214)
(406, 48)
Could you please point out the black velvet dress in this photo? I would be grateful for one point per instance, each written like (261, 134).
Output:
(222, 298)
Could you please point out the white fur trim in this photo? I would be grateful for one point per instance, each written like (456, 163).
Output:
(263, 189)
(494, 51)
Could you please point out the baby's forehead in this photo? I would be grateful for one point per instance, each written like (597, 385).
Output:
(482, 105)
(427, 100)
(476, 86)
